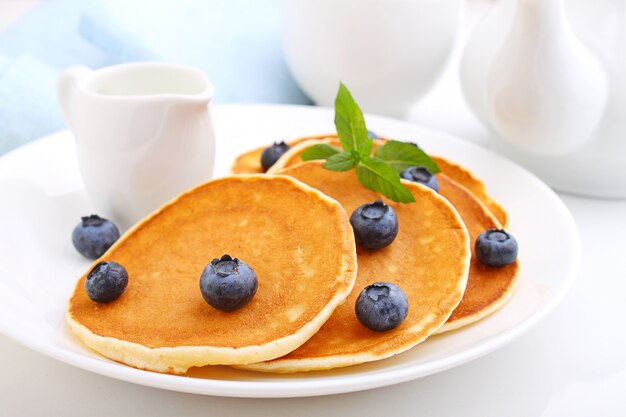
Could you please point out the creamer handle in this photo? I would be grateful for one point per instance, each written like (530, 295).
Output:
(66, 89)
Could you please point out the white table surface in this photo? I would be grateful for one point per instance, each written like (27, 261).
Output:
(571, 364)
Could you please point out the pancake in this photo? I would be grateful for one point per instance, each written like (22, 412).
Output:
(452, 170)
(280, 227)
(250, 161)
(487, 288)
(473, 184)
(429, 260)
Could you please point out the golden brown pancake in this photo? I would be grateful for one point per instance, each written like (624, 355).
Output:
(473, 184)
(488, 288)
(298, 241)
(250, 162)
(453, 171)
(429, 260)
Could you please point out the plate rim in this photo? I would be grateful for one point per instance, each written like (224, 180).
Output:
(314, 386)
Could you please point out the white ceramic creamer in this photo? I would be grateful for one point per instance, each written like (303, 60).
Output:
(143, 134)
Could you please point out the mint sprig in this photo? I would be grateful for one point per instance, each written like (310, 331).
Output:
(401, 155)
(376, 175)
(379, 173)
(320, 151)
(342, 161)
(350, 125)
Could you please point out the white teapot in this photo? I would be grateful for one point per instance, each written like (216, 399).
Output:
(549, 79)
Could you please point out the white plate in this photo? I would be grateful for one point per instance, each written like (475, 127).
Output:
(42, 200)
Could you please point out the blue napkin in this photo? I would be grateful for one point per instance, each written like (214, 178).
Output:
(28, 105)
(235, 42)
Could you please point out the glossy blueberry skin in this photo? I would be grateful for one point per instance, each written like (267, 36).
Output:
(375, 225)
(496, 248)
(271, 154)
(422, 176)
(106, 282)
(228, 283)
(93, 236)
(382, 306)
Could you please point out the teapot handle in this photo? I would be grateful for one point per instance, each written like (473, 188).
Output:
(66, 88)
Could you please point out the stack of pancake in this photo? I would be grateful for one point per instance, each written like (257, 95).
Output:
(291, 226)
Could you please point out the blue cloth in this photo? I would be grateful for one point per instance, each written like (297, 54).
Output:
(235, 42)
(28, 105)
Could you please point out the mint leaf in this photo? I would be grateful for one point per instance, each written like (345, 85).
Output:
(350, 124)
(377, 175)
(380, 173)
(401, 155)
(320, 151)
(342, 161)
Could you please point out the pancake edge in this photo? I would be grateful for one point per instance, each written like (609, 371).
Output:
(498, 211)
(474, 318)
(259, 150)
(431, 323)
(295, 149)
(506, 296)
(178, 359)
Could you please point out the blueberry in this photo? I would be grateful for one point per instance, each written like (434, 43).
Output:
(106, 282)
(228, 283)
(271, 154)
(93, 236)
(422, 176)
(372, 135)
(382, 306)
(375, 225)
(496, 247)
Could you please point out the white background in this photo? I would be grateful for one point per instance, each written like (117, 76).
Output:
(572, 364)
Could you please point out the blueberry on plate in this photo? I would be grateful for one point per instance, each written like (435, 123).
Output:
(422, 176)
(495, 247)
(271, 154)
(106, 282)
(375, 225)
(382, 306)
(372, 135)
(93, 236)
(228, 283)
